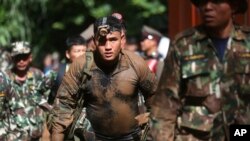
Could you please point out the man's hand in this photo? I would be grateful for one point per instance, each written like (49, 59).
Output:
(142, 118)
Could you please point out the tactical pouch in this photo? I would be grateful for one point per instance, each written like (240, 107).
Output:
(196, 118)
(196, 71)
(243, 86)
(196, 114)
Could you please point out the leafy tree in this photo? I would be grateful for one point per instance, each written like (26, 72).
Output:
(15, 21)
(47, 23)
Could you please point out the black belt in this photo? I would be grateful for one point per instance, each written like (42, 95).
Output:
(194, 101)
(132, 136)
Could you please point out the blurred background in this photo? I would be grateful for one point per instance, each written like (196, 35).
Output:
(47, 23)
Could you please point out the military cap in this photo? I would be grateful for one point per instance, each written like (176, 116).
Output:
(104, 25)
(20, 47)
(150, 33)
(242, 4)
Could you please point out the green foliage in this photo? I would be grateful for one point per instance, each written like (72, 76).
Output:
(101, 11)
(47, 23)
(15, 21)
(149, 8)
(58, 25)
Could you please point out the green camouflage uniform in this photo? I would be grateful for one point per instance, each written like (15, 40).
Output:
(27, 106)
(6, 91)
(197, 93)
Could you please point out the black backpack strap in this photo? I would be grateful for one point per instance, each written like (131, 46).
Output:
(86, 69)
(61, 72)
(86, 75)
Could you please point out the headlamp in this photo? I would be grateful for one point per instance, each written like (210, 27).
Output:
(103, 30)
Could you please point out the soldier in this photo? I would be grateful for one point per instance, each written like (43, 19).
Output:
(6, 91)
(76, 46)
(150, 43)
(26, 117)
(132, 44)
(110, 92)
(205, 83)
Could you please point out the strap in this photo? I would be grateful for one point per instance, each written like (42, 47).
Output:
(80, 95)
(60, 75)
(86, 69)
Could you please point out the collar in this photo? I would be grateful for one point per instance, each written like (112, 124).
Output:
(236, 33)
(29, 76)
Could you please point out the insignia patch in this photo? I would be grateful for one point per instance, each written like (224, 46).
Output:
(194, 57)
(244, 54)
(30, 75)
(2, 94)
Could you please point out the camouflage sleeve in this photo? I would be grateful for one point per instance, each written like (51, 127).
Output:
(45, 86)
(65, 103)
(165, 103)
(49, 81)
(5, 92)
(2, 93)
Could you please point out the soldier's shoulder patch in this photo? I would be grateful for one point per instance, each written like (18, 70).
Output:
(2, 94)
(194, 57)
(185, 33)
(30, 75)
(244, 54)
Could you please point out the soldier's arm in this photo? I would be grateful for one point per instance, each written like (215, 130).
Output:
(2, 92)
(6, 91)
(147, 82)
(166, 102)
(66, 100)
(2, 107)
